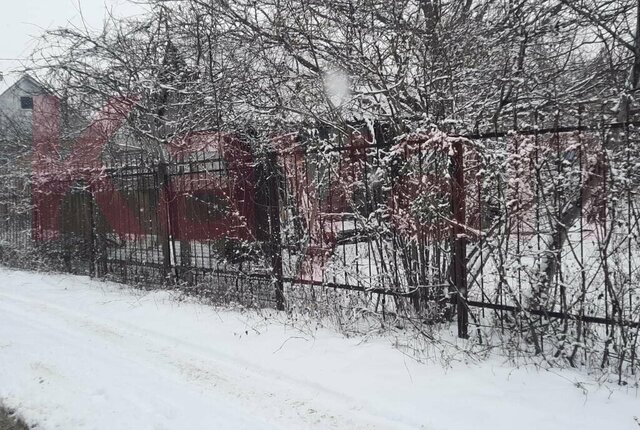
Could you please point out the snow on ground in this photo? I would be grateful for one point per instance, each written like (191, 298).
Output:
(76, 353)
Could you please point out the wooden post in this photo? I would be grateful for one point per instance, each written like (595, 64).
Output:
(459, 245)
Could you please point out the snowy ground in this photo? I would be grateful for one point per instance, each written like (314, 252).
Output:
(82, 354)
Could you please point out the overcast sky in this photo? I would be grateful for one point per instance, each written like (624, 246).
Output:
(21, 21)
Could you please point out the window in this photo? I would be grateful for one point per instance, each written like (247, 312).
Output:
(26, 102)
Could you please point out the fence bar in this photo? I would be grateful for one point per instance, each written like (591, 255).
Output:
(164, 233)
(552, 314)
(273, 190)
(459, 247)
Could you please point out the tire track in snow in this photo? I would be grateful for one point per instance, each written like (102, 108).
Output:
(135, 373)
(255, 388)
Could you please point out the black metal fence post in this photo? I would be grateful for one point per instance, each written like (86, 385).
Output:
(91, 234)
(102, 266)
(459, 246)
(164, 233)
(273, 191)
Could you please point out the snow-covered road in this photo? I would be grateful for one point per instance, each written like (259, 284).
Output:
(82, 354)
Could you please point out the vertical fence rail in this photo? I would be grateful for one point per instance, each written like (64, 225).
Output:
(274, 187)
(165, 202)
(459, 238)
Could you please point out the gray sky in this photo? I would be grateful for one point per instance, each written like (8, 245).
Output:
(21, 21)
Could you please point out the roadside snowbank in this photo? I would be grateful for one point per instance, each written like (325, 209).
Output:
(81, 354)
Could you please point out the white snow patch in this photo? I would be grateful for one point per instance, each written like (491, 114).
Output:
(80, 354)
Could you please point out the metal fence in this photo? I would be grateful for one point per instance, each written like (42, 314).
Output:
(534, 231)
